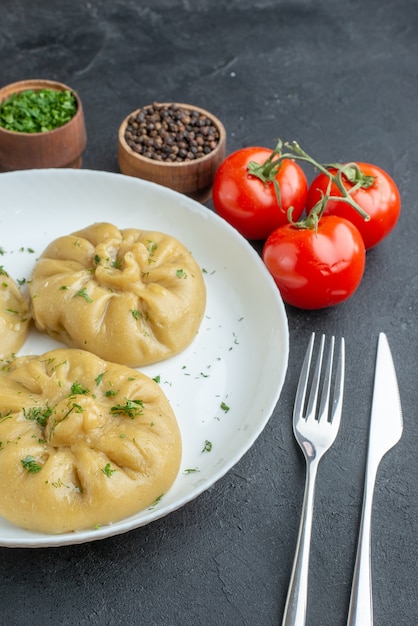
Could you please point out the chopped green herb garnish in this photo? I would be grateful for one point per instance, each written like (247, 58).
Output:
(83, 293)
(6, 416)
(181, 274)
(108, 470)
(31, 465)
(98, 379)
(132, 408)
(77, 389)
(207, 447)
(152, 246)
(76, 408)
(37, 111)
(224, 407)
(38, 414)
(156, 501)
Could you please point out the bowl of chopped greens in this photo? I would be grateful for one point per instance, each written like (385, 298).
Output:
(41, 126)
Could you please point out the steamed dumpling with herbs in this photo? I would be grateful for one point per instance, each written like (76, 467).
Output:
(14, 316)
(131, 296)
(85, 442)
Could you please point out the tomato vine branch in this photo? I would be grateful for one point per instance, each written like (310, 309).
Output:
(267, 172)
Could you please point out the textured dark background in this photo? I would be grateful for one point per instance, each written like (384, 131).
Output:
(342, 79)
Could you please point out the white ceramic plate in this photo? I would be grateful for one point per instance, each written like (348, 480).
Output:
(239, 357)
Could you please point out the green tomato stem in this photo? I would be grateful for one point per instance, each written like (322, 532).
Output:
(351, 171)
(268, 170)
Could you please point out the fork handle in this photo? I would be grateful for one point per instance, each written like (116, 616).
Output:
(296, 602)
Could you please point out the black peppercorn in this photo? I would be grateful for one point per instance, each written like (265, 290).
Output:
(169, 132)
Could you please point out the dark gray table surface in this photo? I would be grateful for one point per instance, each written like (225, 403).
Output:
(342, 79)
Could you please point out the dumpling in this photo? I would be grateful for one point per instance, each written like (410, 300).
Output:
(14, 316)
(130, 296)
(84, 442)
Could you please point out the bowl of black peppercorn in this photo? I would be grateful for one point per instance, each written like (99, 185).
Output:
(176, 145)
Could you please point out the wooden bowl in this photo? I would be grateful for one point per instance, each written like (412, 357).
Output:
(194, 177)
(61, 147)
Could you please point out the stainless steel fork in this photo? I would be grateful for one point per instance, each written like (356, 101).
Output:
(315, 433)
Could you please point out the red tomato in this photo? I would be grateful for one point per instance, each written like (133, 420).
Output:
(314, 270)
(381, 201)
(249, 203)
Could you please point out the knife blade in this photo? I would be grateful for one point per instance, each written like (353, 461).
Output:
(386, 425)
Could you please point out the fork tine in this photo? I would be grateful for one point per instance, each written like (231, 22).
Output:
(326, 389)
(337, 401)
(303, 381)
(313, 396)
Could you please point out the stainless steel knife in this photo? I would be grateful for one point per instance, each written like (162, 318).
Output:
(386, 425)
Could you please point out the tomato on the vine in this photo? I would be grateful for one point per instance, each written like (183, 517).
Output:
(316, 267)
(371, 188)
(254, 194)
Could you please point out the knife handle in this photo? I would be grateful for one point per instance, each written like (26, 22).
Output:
(361, 602)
